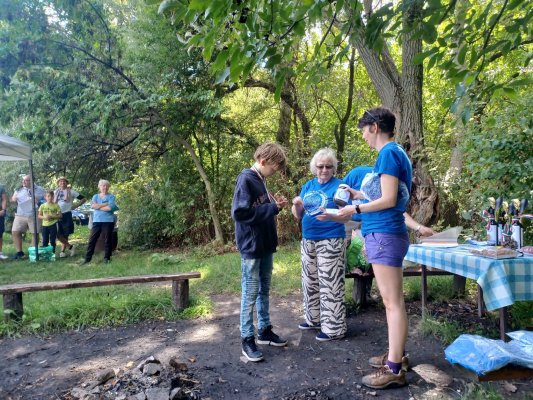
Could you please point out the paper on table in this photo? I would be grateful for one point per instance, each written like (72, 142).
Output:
(447, 238)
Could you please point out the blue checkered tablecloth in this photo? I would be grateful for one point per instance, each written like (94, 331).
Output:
(503, 281)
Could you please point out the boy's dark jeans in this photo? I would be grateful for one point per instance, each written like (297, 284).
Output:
(101, 228)
(49, 236)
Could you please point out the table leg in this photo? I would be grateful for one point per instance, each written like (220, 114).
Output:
(503, 323)
(424, 288)
(480, 302)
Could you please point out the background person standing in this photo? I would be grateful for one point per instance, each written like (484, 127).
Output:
(104, 206)
(64, 196)
(3, 211)
(24, 216)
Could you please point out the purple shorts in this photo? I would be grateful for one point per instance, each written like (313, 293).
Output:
(386, 248)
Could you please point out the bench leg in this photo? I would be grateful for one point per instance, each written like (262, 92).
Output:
(180, 294)
(459, 284)
(13, 302)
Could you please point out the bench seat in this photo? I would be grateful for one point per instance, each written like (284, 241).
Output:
(12, 294)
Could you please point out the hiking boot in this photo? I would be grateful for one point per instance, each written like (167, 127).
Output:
(84, 262)
(267, 336)
(384, 378)
(107, 260)
(380, 361)
(62, 254)
(72, 250)
(18, 256)
(304, 326)
(249, 349)
(324, 337)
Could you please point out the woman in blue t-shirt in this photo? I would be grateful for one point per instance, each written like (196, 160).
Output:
(387, 190)
(104, 206)
(323, 250)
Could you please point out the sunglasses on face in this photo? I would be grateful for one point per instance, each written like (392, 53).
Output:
(324, 166)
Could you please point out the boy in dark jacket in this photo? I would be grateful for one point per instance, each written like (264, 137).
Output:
(254, 211)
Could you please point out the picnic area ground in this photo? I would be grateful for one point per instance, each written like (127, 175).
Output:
(50, 367)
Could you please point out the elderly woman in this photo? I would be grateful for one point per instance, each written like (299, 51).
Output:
(104, 206)
(64, 196)
(323, 250)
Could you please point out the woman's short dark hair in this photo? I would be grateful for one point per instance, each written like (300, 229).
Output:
(381, 116)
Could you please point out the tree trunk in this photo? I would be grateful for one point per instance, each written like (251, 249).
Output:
(402, 93)
(285, 118)
(211, 199)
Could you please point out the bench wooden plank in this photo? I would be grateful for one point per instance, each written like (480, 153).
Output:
(12, 294)
(74, 284)
(359, 292)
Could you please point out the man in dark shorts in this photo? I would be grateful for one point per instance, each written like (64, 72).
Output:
(64, 196)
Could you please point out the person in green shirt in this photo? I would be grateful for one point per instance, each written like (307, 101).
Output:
(49, 213)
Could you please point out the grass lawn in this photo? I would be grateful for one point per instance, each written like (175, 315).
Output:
(57, 310)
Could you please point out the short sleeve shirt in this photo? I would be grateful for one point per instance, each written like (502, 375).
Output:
(392, 160)
(66, 206)
(314, 196)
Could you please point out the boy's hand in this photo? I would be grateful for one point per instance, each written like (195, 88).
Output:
(281, 202)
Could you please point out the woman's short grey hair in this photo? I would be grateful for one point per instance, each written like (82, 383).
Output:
(102, 182)
(326, 153)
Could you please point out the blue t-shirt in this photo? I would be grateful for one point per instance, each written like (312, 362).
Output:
(314, 196)
(392, 160)
(104, 216)
(354, 179)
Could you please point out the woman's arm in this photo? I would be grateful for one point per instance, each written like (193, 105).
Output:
(418, 228)
(297, 208)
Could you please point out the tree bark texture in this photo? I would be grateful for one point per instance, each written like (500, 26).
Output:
(402, 93)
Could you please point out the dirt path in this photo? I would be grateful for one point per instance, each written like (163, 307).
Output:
(47, 368)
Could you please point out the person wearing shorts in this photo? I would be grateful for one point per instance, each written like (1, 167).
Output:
(24, 217)
(64, 196)
(387, 189)
(3, 210)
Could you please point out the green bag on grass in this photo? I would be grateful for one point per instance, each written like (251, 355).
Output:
(355, 257)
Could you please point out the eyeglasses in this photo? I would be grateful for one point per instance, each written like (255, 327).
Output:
(375, 119)
(324, 166)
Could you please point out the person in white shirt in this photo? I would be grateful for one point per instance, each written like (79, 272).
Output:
(24, 216)
(64, 196)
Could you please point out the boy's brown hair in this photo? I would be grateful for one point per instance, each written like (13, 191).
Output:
(51, 193)
(272, 153)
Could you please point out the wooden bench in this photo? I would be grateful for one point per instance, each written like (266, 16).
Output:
(13, 293)
(360, 292)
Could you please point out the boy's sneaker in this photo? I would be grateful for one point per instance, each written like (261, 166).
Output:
(304, 326)
(324, 337)
(267, 336)
(250, 351)
(72, 250)
(3, 256)
(384, 378)
(380, 361)
(62, 254)
(18, 256)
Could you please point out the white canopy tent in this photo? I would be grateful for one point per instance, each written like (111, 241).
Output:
(12, 149)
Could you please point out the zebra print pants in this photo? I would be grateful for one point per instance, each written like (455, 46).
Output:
(323, 264)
